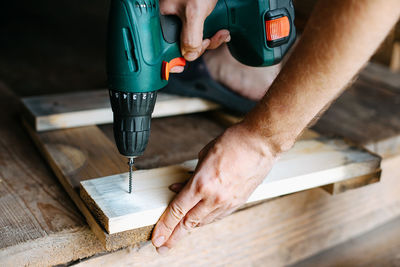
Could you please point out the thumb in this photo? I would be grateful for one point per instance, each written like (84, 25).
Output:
(193, 17)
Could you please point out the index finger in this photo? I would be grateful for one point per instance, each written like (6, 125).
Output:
(174, 213)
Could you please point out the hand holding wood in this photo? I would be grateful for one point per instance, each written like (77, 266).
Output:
(229, 170)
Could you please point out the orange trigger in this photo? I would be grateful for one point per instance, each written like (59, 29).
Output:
(167, 66)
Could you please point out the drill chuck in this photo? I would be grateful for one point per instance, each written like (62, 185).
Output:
(132, 115)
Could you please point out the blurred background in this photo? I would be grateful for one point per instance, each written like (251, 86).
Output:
(59, 46)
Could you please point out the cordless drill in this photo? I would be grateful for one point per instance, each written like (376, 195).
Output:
(143, 46)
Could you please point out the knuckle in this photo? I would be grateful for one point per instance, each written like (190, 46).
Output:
(192, 11)
(176, 211)
(204, 188)
(166, 7)
(167, 227)
(220, 198)
(190, 223)
(191, 43)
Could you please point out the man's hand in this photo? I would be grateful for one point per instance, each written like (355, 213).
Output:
(229, 170)
(193, 14)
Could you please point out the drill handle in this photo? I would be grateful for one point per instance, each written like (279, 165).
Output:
(262, 31)
(142, 44)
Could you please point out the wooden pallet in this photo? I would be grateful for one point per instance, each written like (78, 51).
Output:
(84, 153)
(75, 157)
(242, 234)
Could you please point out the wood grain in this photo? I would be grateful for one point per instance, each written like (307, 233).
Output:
(310, 163)
(279, 232)
(51, 112)
(83, 153)
(39, 224)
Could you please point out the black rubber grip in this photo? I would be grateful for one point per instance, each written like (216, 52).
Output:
(132, 116)
(171, 28)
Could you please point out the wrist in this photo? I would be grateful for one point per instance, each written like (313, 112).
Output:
(274, 142)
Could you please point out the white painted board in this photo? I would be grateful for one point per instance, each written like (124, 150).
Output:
(310, 163)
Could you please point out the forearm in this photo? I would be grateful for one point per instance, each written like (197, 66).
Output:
(340, 37)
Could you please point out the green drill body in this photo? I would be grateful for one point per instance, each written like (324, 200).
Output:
(141, 42)
(138, 41)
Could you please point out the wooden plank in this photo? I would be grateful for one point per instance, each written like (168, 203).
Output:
(368, 114)
(39, 224)
(309, 164)
(353, 183)
(70, 110)
(279, 232)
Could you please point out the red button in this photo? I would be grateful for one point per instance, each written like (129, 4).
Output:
(167, 66)
(277, 28)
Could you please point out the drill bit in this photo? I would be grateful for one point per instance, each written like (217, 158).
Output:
(130, 163)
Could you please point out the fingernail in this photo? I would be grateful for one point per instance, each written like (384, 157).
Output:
(159, 241)
(162, 250)
(177, 69)
(228, 39)
(191, 55)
